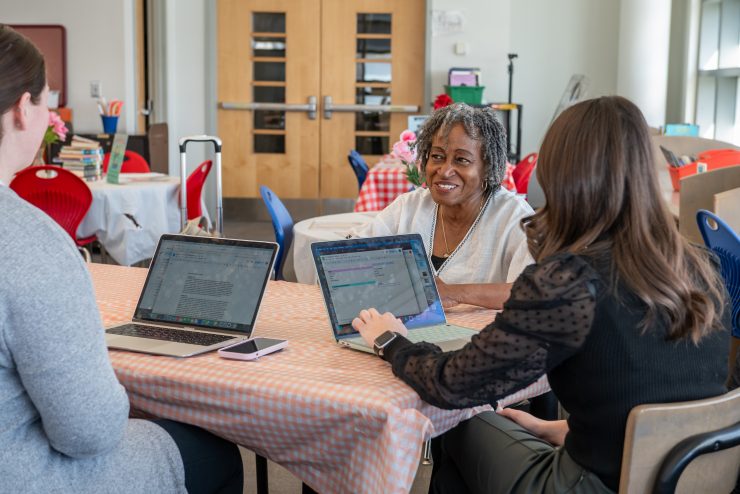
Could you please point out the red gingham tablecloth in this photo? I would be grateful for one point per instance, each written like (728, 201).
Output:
(336, 418)
(383, 185)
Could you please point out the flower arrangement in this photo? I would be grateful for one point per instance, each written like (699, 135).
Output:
(56, 131)
(405, 150)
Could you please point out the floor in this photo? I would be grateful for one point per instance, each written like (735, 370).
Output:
(282, 481)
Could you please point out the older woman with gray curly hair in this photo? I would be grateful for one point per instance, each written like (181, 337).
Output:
(469, 223)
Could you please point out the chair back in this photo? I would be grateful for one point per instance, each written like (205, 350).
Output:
(660, 439)
(535, 194)
(697, 192)
(523, 171)
(719, 237)
(133, 162)
(282, 223)
(358, 166)
(194, 186)
(58, 192)
(727, 207)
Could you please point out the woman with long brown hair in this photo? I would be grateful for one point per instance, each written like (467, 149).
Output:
(618, 310)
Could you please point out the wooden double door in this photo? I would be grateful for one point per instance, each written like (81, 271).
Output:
(302, 82)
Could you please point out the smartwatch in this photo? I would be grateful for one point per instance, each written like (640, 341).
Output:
(382, 341)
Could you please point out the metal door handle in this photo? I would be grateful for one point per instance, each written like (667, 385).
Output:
(330, 107)
(311, 107)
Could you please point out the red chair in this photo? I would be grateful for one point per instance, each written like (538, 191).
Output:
(133, 162)
(522, 172)
(59, 193)
(194, 186)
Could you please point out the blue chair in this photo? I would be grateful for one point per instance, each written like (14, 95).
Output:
(358, 166)
(726, 244)
(282, 222)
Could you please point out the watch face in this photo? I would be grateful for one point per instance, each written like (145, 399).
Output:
(384, 338)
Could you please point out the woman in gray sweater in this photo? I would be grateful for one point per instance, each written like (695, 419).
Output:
(64, 423)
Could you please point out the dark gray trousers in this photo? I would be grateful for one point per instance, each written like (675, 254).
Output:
(491, 454)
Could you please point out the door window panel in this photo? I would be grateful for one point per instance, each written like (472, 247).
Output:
(373, 48)
(269, 94)
(371, 144)
(374, 23)
(269, 71)
(268, 22)
(267, 143)
(268, 47)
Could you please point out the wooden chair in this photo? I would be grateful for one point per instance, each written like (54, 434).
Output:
(697, 192)
(727, 207)
(686, 447)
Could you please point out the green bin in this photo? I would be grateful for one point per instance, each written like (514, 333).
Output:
(472, 95)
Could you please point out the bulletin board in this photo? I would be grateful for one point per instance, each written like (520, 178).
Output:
(51, 40)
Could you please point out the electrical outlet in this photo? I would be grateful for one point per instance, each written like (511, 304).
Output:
(95, 89)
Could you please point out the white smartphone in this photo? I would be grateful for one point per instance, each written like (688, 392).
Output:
(252, 349)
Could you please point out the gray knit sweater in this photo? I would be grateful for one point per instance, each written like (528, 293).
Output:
(64, 423)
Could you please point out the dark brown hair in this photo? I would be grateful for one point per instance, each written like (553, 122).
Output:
(480, 124)
(22, 70)
(602, 198)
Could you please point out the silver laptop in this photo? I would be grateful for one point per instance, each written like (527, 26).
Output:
(201, 294)
(391, 274)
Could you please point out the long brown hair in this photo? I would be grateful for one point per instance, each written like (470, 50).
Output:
(598, 174)
(22, 69)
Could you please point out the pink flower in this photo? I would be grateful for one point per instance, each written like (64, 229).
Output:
(56, 125)
(408, 135)
(402, 151)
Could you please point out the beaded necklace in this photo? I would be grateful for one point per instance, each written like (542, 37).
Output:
(462, 242)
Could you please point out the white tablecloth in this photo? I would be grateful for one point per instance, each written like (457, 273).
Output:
(329, 227)
(128, 219)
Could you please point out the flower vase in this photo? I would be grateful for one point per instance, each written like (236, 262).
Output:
(39, 160)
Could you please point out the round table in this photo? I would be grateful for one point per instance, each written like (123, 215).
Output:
(129, 218)
(322, 228)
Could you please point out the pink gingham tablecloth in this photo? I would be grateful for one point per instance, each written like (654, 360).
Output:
(383, 185)
(336, 418)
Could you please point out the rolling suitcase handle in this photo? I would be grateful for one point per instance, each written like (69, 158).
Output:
(183, 179)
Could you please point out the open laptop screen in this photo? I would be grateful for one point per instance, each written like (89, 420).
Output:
(206, 282)
(391, 274)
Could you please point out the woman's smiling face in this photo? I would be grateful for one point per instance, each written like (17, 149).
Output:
(454, 170)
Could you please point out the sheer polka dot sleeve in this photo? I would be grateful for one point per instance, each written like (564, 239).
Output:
(546, 319)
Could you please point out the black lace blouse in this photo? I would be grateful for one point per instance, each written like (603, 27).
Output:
(546, 319)
(564, 319)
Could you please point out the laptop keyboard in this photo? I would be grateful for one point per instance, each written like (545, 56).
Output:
(432, 334)
(169, 334)
(439, 333)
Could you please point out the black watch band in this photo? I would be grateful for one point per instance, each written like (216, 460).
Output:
(382, 341)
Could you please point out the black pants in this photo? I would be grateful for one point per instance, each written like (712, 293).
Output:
(491, 454)
(212, 465)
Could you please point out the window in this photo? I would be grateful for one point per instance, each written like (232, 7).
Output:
(718, 90)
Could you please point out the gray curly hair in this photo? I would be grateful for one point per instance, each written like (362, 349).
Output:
(479, 124)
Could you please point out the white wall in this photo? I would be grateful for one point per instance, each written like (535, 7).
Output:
(555, 40)
(186, 77)
(486, 36)
(99, 47)
(643, 56)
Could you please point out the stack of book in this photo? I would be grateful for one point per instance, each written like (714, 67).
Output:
(82, 155)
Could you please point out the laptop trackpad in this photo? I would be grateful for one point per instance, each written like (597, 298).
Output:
(452, 345)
